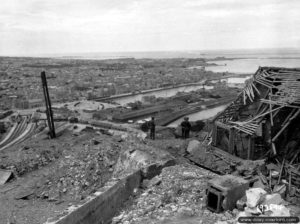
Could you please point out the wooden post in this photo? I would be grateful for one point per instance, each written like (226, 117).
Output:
(231, 140)
(288, 122)
(270, 180)
(214, 134)
(281, 170)
(290, 182)
(49, 112)
(273, 148)
(250, 151)
(271, 114)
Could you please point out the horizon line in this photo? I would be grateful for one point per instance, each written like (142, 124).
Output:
(74, 54)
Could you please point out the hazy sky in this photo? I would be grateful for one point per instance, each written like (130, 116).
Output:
(29, 27)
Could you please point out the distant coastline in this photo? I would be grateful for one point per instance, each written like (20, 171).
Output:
(207, 54)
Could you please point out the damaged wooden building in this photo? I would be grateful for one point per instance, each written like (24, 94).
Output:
(264, 120)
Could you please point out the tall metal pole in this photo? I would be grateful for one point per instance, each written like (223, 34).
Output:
(48, 106)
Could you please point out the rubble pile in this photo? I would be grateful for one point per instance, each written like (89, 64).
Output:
(29, 158)
(271, 178)
(263, 123)
(177, 195)
(269, 174)
(80, 174)
(257, 202)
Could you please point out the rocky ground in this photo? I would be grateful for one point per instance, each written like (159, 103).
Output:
(177, 195)
(51, 174)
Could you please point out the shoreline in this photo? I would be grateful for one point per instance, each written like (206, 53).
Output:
(167, 88)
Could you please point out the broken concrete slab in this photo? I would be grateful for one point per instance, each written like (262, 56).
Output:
(25, 194)
(247, 167)
(152, 182)
(142, 136)
(280, 189)
(223, 192)
(148, 159)
(5, 176)
(104, 205)
(193, 146)
(241, 203)
(259, 184)
(274, 199)
(255, 196)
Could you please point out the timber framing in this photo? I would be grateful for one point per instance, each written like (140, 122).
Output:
(263, 116)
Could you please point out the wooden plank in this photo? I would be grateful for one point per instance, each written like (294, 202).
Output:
(285, 126)
(242, 130)
(253, 85)
(290, 181)
(249, 156)
(271, 114)
(214, 135)
(222, 125)
(281, 170)
(231, 140)
(274, 148)
(263, 114)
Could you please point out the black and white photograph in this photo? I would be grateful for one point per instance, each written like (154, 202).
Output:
(149, 111)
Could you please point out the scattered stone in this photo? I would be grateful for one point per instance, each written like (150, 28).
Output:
(145, 183)
(248, 167)
(193, 146)
(25, 194)
(259, 184)
(188, 174)
(185, 211)
(96, 141)
(235, 212)
(5, 176)
(59, 202)
(117, 138)
(52, 199)
(176, 199)
(141, 136)
(124, 136)
(154, 181)
(117, 219)
(253, 211)
(292, 191)
(273, 199)
(280, 189)
(25, 147)
(255, 196)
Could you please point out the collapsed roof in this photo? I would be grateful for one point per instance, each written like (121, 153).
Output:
(271, 96)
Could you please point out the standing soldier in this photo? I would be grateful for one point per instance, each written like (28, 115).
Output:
(151, 126)
(186, 127)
